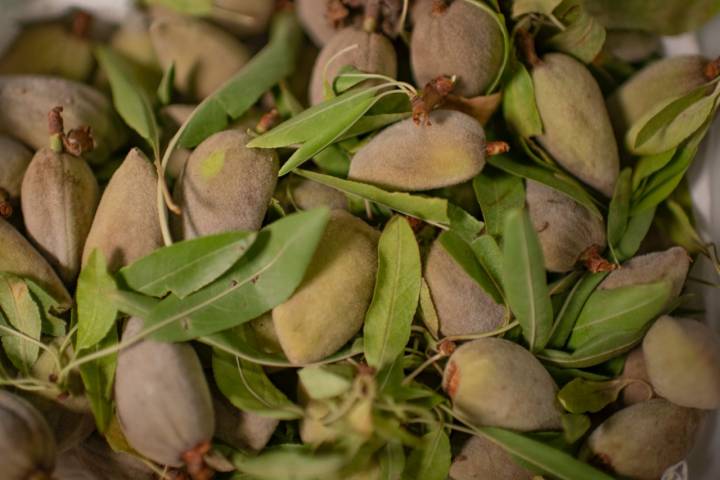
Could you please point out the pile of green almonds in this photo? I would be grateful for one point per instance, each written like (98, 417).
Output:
(354, 239)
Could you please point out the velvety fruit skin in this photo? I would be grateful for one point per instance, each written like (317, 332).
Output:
(635, 369)
(462, 305)
(328, 308)
(263, 331)
(19, 257)
(632, 46)
(95, 460)
(225, 186)
(241, 430)
(312, 17)
(132, 39)
(464, 40)
(126, 225)
(683, 362)
(657, 83)
(374, 54)
(643, 440)
(27, 446)
(671, 265)
(59, 198)
(49, 49)
(565, 228)
(480, 459)
(576, 127)
(497, 383)
(665, 17)
(307, 195)
(205, 56)
(27, 99)
(411, 157)
(14, 160)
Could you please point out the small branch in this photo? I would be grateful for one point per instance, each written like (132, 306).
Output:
(496, 148)
(432, 96)
(165, 191)
(595, 262)
(526, 42)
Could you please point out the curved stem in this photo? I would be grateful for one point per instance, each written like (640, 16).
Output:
(509, 326)
(423, 366)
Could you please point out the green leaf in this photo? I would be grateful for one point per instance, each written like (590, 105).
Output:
(131, 102)
(334, 161)
(625, 308)
(96, 315)
(596, 350)
(574, 427)
(247, 387)
(236, 342)
(635, 232)
(498, 193)
(524, 279)
(52, 325)
(649, 164)
(321, 382)
(570, 311)
(435, 211)
(582, 396)
(263, 278)
(555, 180)
(395, 299)
(348, 77)
(185, 267)
(671, 122)
(488, 253)
(97, 377)
(519, 108)
(427, 311)
(165, 89)
(392, 461)
(465, 257)
(273, 63)
(304, 127)
(619, 210)
(327, 135)
(675, 221)
(188, 7)
(372, 123)
(23, 315)
(546, 7)
(541, 457)
(432, 461)
(583, 37)
(291, 462)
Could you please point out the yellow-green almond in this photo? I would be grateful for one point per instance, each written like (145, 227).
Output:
(307, 195)
(27, 99)
(126, 225)
(368, 52)
(59, 197)
(205, 56)
(49, 49)
(645, 439)
(411, 157)
(564, 227)
(328, 308)
(682, 357)
(19, 257)
(14, 160)
(225, 186)
(497, 383)
(462, 40)
(463, 307)
(576, 126)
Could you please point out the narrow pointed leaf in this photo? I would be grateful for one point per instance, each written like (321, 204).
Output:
(464, 256)
(498, 193)
(96, 315)
(97, 377)
(432, 461)
(22, 315)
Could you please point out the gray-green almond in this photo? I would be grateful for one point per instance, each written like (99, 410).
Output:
(368, 52)
(462, 40)
(497, 383)
(14, 160)
(59, 197)
(306, 195)
(239, 429)
(225, 186)
(576, 126)
(462, 306)
(643, 440)
(411, 157)
(564, 227)
(126, 225)
(163, 401)
(329, 306)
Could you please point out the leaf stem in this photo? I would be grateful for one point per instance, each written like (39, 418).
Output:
(406, 381)
(501, 330)
(29, 339)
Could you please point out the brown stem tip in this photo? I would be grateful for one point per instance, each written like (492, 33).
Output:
(496, 148)
(712, 69)
(431, 97)
(336, 13)
(6, 209)
(79, 140)
(55, 121)
(268, 121)
(526, 43)
(439, 7)
(81, 23)
(195, 461)
(594, 262)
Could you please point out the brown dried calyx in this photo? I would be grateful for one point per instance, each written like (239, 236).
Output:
(81, 24)
(594, 261)
(377, 14)
(526, 43)
(6, 209)
(712, 69)
(432, 96)
(268, 121)
(439, 7)
(195, 461)
(76, 142)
